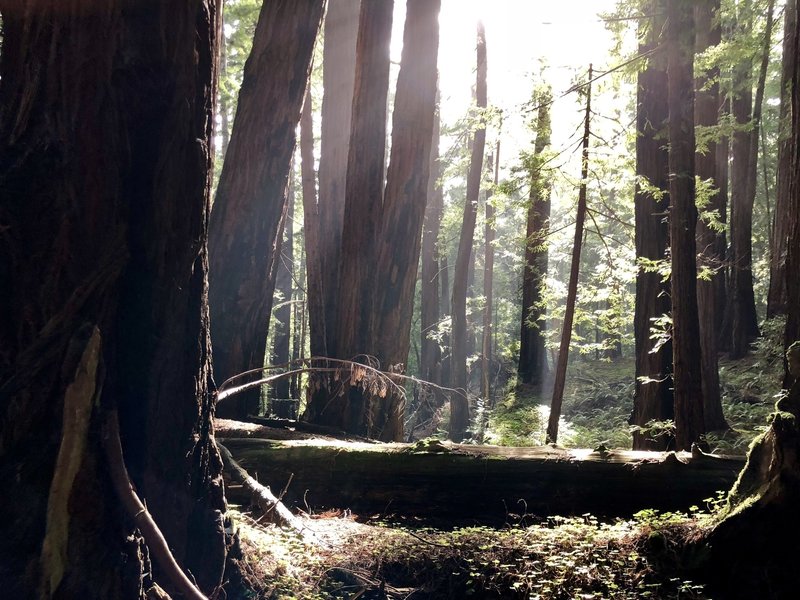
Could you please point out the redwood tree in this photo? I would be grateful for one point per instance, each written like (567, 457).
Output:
(245, 223)
(459, 404)
(106, 147)
(686, 354)
(652, 399)
(533, 367)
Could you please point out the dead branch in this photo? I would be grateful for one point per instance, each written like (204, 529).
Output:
(141, 517)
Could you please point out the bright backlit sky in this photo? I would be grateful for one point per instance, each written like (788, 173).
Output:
(566, 34)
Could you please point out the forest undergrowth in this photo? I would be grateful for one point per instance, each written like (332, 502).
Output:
(651, 555)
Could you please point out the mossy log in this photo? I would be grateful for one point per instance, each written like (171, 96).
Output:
(487, 484)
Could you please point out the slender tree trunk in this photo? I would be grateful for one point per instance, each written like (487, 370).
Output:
(404, 202)
(653, 399)
(488, 281)
(533, 367)
(572, 287)
(459, 404)
(708, 34)
(430, 305)
(338, 78)
(446, 312)
(284, 280)
(686, 353)
(106, 136)
(245, 224)
(777, 296)
(312, 226)
(224, 117)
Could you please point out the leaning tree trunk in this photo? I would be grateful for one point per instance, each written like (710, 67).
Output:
(653, 393)
(686, 353)
(777, 297)
(708, 34)
(459, 404)
(533, 367)
(245, 223)
(106, 135)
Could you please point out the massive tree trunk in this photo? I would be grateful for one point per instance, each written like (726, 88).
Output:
(560, 377)
(653, 394)
(245, 223)
(430, 309)
(404, 204)
(793, 243)
(459, 404)
(105, 137)
(686, 354)
(708, 34)
(338, 79)
(777, 296)
(533, 367)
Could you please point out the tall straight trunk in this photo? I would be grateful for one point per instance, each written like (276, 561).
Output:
(284, 280)
(793, 243)
(488, 282)
(572, 287)
(430, 305)
(653, 399)
(777, 296)
(722, 281)
(459, 404)
(106, 136)
(338, 78)
(404, 201)
(250, 201)
(745, 318)
(446, 311)
(365, 180)
(686, 353)
(312, 226)
(708, 34)
(533, 367)
(224, 117)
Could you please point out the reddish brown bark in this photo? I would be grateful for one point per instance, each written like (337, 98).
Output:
(250, 201)
(653, 394)
(708, 34)
(533, 366)
(686, 353)
(459, 405)
(105, 137)
(777, 297)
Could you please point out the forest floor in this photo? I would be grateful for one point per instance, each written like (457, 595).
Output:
(649, 556)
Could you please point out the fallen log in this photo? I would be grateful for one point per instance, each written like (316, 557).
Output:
(434, 480)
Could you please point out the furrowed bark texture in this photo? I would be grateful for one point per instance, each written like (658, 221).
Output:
(793, 244)
(777, 297)
(105, 137)
(708, 34)
(533, 367)
(459, 404)
(653, 394)
(245, 223)
(686, 354)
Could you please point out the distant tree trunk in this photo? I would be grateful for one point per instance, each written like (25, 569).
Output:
(250, 198)
(707, 34)
(338, 78)
(446, 311)
(745, 318)
(653, 399)
(533, 367)
(430, 305)
(284, 283)
(224, 117)
(312, 229)
(404, 202)
(106, 136)
(722, 281)
(488, 281)
(689, 422)
(459, 404)
(777, 296)
(572, 287)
